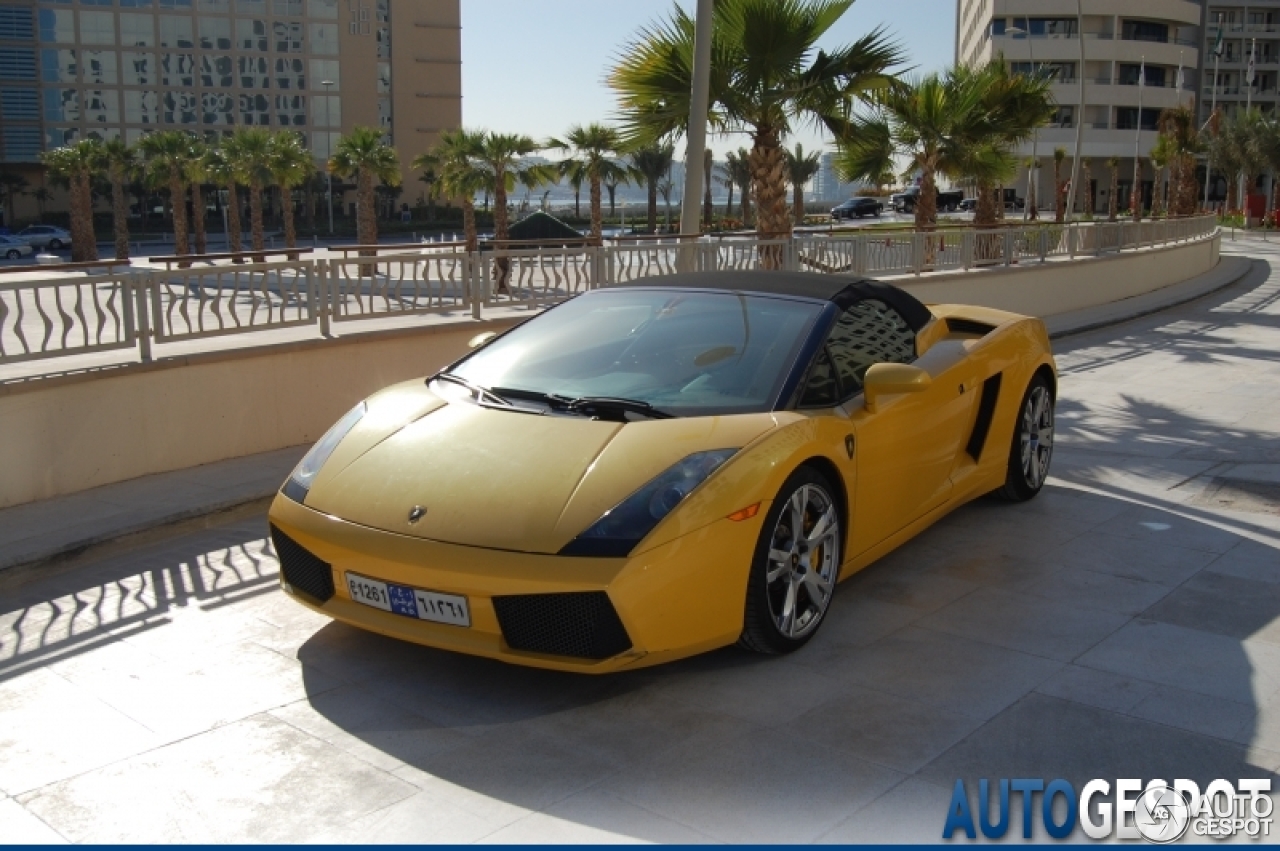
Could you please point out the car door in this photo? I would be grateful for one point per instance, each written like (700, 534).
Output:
(905, 451)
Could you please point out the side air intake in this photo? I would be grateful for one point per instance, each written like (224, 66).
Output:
(302, 570)
(582, 624)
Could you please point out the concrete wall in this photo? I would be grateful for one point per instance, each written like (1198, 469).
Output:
(68, 433)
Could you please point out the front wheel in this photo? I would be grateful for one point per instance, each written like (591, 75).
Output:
(55, 244)
(13, 254)
(1032, 448)
(795, 568)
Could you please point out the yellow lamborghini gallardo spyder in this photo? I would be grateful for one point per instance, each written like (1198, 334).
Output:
(658, 468)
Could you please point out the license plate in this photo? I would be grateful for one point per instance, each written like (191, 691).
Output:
(410, 602)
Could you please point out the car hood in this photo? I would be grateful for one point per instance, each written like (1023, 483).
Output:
(507, 480)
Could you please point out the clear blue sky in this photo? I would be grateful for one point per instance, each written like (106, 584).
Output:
(538, 66)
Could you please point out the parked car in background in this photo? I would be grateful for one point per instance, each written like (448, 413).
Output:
(12, 248)
(856, 208)
(45, 236)
(1011, 202)
(905, 201)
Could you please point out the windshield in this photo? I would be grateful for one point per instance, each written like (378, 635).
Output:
(684, 353)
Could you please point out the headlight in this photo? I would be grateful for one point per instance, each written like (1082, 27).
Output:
(299, 483)
(625, 525)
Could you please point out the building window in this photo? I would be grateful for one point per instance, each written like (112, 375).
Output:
(61, 105)
(58, 26)
(137, 30)
(324, 39)
(97, 28)
(17, 63)
(384, 112)
(179, 108)
(58, 66)
(384, 78)
(251, 7)
(141, 107)
(291, 110)
(326, 111)
(325, 70)
(1127, 118)
(20, 105)
(1144, 31)
(21, 144)
(139, 69)
(1051, 27)
(218, 108)
(136, 4)
(255, 110)
(177, 69)
(102, 106)
(215, 72)
(215, 33)
(290, 74)
(1128, 75)
(323, 144)
(17, 23)
(286, 8)
(215, 5)
(100, 67)
(175, 31)
(57, 137)
(251, 34)
(1064, 117)
(322, 9)
(288, 36)
(253, 72)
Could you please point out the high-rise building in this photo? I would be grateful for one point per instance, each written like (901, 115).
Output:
(1139, 57)
(826, 185)
(122, 68)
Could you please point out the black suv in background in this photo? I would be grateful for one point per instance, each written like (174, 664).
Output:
(856, 208)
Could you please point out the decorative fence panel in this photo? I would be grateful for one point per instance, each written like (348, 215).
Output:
(54, 318)
(530, 276)
(398, 284)
(208, 301)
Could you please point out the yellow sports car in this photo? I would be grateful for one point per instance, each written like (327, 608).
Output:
(658, 468)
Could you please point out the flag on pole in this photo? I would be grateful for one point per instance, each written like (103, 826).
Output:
(1178, 81)
(1142, 74)
(1217, 44)
(1249, 75)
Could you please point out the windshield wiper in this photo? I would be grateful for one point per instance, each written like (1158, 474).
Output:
(555, 400)
(597, 405)
(483, 394)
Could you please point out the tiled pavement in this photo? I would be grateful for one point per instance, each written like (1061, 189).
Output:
(1124, 624)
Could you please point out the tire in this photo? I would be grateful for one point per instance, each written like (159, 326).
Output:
(55, 244)
(1034, 433)
(13, 254)
(767, 628)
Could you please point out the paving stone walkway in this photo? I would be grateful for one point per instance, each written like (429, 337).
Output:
(1124, 624)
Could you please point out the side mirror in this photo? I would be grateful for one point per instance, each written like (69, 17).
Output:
(886, 379)
(481, 339)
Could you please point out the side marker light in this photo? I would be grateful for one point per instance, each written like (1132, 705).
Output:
(745, 513)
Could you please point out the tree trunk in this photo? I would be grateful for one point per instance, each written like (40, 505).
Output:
(1231, 194)
(255, 216)
(1033, 192)
(178, 204)
(768, 164)
(120, 214)
(797, 204)
(197, 217)
(1088, 189)
(613, 209)
(286, 213)
(745, 192)
(728, 207)
(233, 218)
(927, 200)
(1135, 196)
(577, 203)
(86, 205)
(597, 214)
(1059, 192)
(469, 223)
(1112, 200)
(502, 265)
(83, 243)
(653, 206)
(707, 212)
(988, 246)
(366, 219)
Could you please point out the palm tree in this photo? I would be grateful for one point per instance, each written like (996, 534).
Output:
(430, 178)
(12, 185)
(119, 161)
(77, 164)
(457, 156)
(665, 188)
(801, 167)
(611, 184)
(291, 166)
(165, 155)
(249, 150)
(501, 156)
(766, 74)
(364, 155)
(937, 122)
(1178, 126)
(728, 181)
(43, 197)
(593, 146)
(1112, 200)
(1033, 200)
(740, 171)
(1059, 187)
(1236, 150)
(1161, 159)
(650, 164)
(222, 172)
(1086, 168)
(197, 176)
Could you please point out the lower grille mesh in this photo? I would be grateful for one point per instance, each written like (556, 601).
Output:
(583, 624)
(301, 569)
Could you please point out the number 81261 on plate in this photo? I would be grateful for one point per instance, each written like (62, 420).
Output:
(411, 602)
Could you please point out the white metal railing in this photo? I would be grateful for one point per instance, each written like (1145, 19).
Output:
(54, 318)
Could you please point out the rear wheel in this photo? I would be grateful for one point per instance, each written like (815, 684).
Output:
(1032, 448)
(13, 254)
(796, 564)
(55, 244)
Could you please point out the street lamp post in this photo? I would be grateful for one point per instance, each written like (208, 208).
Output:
(327, 84)
(696, 137)
(1075, 161)
(1208, 160)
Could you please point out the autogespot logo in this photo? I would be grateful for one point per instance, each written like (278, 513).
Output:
(1158, 812)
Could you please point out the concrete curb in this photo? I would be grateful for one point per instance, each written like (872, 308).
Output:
(1230, 270)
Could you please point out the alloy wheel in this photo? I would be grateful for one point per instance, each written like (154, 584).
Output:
(803, 561)
(1037, 436)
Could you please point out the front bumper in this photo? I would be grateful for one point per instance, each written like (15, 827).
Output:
(675, 600)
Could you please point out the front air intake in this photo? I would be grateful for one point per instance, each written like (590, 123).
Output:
(583, 624)
(302, 570)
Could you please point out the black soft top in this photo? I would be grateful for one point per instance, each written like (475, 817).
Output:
(844, 290)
